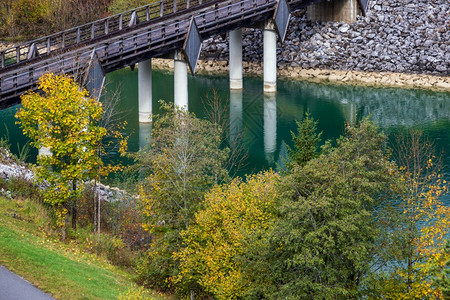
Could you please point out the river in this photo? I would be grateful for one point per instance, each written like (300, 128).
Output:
(267, 121)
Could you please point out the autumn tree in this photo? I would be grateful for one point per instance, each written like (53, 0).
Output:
(5, 11)
(326, 235)
(421, 222)
(184, 161)
(236, 218)
(444, 278)
(25, 18)
(65, 120)
(21, 19)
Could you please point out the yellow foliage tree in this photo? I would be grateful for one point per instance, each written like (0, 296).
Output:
(425, 223)
(235, 217)
(64, 120)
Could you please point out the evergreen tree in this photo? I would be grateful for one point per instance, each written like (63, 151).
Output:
(306, 141)
(326, 235)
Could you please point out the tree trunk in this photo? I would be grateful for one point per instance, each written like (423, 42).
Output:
(74, 216)
(63, 234)
(74, 209)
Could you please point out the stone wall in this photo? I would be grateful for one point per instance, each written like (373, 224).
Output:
(399, 36)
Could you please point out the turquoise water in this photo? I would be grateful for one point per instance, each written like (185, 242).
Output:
(266, 121)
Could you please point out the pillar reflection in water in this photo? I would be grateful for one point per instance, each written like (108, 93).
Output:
(349, 110)
(145, 135)
(270, 126)
(235, 117)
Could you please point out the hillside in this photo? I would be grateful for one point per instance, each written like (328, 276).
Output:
(64, 270)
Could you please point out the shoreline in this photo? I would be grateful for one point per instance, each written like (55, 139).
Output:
(344, 77)
(323, 76)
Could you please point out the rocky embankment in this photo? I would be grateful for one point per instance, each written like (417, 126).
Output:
(10, 167)
(396, 36)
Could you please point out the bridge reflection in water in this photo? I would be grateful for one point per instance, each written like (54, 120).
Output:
(265, 120)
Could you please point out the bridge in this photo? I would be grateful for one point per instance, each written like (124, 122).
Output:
(174, 28)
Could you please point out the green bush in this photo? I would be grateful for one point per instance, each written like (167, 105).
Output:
(21, 187)
(26, 18)
(138, 294)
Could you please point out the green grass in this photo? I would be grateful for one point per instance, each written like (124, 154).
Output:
(30, 250)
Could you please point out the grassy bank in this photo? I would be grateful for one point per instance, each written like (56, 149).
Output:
(63, 270)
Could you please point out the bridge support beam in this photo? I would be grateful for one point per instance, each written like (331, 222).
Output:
(180, 81)
(236, 59)
(270, 58)
(145, 91)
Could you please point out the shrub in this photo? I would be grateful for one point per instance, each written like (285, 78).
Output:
(237, 218)
(26, 18)
(183, 162)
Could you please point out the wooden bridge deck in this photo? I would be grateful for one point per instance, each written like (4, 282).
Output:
(125, 39)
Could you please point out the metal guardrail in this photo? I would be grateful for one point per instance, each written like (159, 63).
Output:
(72, 37)
(132, 44)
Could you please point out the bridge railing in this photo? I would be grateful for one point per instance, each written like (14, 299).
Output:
(94, 30)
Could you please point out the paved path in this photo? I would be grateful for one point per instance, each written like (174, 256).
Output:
(13, 287)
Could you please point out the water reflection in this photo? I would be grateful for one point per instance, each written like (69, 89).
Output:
(145, 134)
(270, 127)
(235, 116)
(266, 121)
(386, 106)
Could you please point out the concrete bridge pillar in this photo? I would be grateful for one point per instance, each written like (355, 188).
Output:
(236, 59)
(270, 58)
(270, 126)
(145, 91)
(334, 11)
(180, 81)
